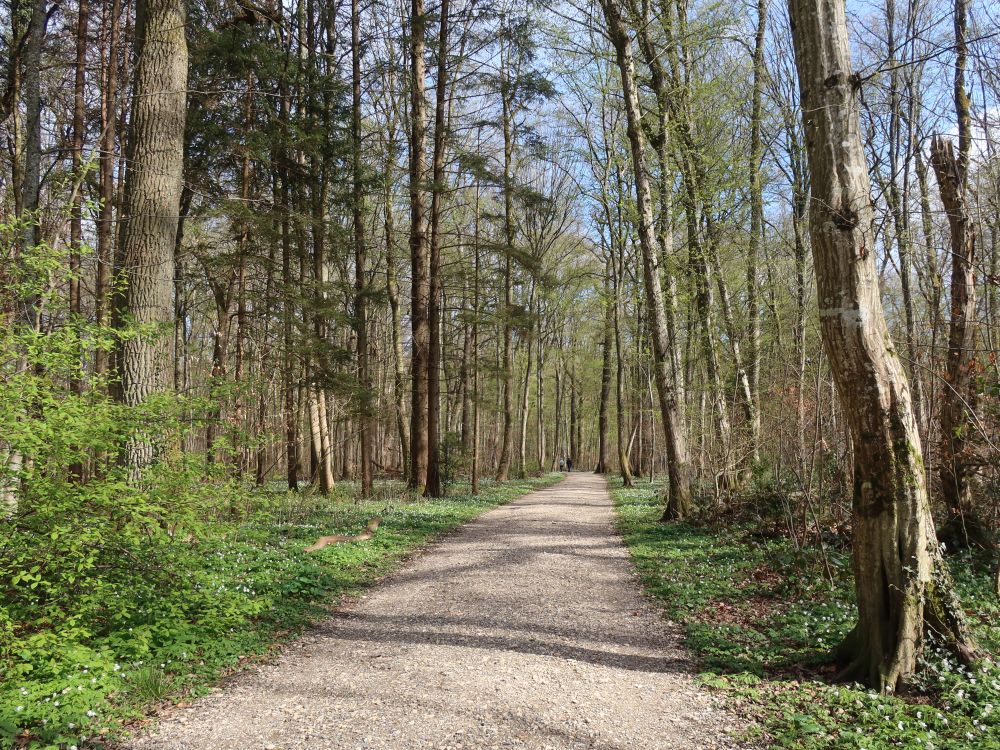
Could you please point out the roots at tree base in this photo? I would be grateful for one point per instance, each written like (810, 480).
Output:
(887, 667)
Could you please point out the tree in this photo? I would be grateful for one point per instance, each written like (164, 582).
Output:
(434, 486)
(756, 228)
(419, 258)
(959, 397)
(903, 588)
(360, 257)
(151, 207)
(678, 471)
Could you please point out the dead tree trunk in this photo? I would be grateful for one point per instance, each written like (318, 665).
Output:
(959, 398)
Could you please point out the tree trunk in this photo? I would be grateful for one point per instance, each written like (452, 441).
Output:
(360, 260)
(624, 465)
(434, 357)
(318, 196)
(607, 345)
(152, 197)
(76, 470)
(903, 588)
(541, 448)
(419, 260)
(392, 293)
(31, 179)
(756, 228)
(933, 283)
(465, 374)
(106, 191)
(289, 385)
(507, 442)
(79, 133)
(678, 470)
(574, 424)
(704, 304)
(475, 350)
(743, 385)
(959, 399)
(525, 410)
(223, 294)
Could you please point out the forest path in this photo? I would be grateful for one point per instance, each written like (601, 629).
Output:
(524, 629)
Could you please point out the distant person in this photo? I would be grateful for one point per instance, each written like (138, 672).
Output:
(569, 464)
(562, 463)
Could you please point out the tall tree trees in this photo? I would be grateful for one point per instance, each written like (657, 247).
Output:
(434, 486)
(645, 232)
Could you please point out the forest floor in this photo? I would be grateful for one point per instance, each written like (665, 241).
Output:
(526, 628)
(761, 617)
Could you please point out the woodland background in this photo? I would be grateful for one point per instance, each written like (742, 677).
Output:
(309, 366)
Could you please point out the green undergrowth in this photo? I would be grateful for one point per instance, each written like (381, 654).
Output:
(192, 609)
(762, 618)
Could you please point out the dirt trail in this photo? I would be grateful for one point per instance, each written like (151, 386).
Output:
(525, 629)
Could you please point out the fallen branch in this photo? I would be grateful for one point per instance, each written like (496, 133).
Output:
(325, 541)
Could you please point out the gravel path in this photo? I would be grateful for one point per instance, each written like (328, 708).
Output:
(525, 629)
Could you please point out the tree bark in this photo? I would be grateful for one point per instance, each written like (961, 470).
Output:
(574, 420)
(392, 293)
(106, 190)
(289, 385)
(756, 229)
(959, 398)
(79, 134)
(624, 465)
(525, 409)
(31, 178)
(475, 348)
(507, 442)
(606, 355)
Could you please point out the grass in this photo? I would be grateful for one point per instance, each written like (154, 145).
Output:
(233, 594)
(763, 617)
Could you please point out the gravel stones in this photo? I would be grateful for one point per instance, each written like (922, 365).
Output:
(525, 629)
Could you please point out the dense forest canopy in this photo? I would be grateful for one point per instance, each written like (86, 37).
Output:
(250, 246)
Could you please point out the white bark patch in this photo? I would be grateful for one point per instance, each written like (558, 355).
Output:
(849, 316)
